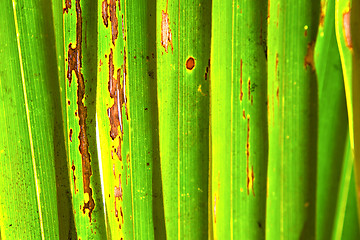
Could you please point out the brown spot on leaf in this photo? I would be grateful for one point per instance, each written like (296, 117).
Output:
(124, 85)
(207, 71)
(277, 94)
(74, 64)
(252, 180)
(261, 29)
(190, 63)
(309, 57)
(68, 102)
(104, 12)
(346, 27)
(74, 178)
(67, 6)
(123, 28)
(249, 88)
(268, 17)
(248, 154)
(241, 80)
(118, 151)
(122, 215)
(113, 20)
(70, 134)
(244, 116)
(118, 190)
(166, 37)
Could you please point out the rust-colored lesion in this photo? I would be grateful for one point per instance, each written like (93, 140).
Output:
(241, 80)
(190, 63)
(309, 57)
(104, 12)
(74, 64)
(166, 37)
(67, 6)
(118, 151)
(124, 84)
(249, 175)
(277, 95)
(346, 27)
(118, 194)
(114, 21)
(244, 116)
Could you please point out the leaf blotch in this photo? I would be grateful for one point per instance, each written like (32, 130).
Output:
(207, 71)
(67, 6)
(241, 80)
(117, 93)
(74, 178)
(70, 134)
(347, 30)
(166, 37)
(74, 64)
(118, 193)
(114, 21)
(104, 12)
(322, 14)
(190, 63)
(249, 88)
(249, 175)
(309, 57)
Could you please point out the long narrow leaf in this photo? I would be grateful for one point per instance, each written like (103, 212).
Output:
(292, 93)
(28, 206)
(238, 119)
(333, 124)
(80, 51)
(182, 42)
